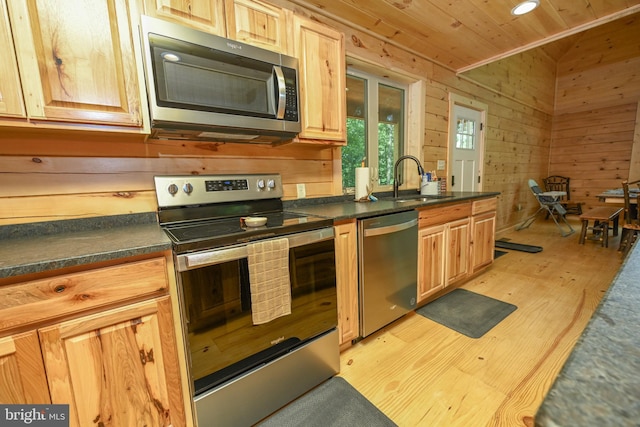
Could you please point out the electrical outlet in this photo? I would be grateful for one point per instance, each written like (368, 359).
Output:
(441, 165)
(302, 191)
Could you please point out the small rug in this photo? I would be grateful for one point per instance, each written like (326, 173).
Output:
(503, 244)
(497, 254)
(467, 312)
(333, 403)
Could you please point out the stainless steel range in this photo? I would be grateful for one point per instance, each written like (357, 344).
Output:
(258, 301)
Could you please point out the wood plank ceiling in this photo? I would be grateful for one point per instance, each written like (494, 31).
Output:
(465, 34)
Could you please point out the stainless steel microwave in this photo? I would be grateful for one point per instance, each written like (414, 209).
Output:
(205, 87)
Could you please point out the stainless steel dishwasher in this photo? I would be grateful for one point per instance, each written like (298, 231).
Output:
(388, 268)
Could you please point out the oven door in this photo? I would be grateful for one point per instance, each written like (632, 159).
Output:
(223, 341)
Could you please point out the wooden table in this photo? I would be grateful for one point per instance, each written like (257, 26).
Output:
(616, 196)
(601, 217)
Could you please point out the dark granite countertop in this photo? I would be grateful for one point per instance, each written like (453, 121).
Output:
(33, 248)
(599, 385)
(45, 246)
(345, 207)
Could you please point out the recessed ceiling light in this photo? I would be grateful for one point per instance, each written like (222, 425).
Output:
(525, 7)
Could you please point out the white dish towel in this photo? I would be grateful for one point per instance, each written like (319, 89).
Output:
(270, 283)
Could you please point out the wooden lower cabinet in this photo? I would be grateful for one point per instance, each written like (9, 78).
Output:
(457, 251)
(102, 340)
(118, 367)
(455, 241)
(483, 231)
(347, 281)
(22, 375)
(431, 260)
(443, 256)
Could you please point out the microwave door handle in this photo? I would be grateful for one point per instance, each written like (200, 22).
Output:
(282, 91)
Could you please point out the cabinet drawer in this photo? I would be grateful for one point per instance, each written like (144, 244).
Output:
(485, 205)
(442, 215)
(31, 302)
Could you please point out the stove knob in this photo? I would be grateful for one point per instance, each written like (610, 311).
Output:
(271, 184)
(261, 184)
(172, 189)
(187, 188)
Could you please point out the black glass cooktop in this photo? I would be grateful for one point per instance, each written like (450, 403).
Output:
(215, 233)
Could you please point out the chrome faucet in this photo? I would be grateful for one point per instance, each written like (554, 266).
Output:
(396, 178)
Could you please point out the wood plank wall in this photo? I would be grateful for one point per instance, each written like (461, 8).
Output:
(79, 177)
(598, 93)
(56, 176)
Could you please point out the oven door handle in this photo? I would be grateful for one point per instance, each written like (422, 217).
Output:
(218, 256)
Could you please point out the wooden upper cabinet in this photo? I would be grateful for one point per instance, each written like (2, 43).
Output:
(321, 52)
(204, 15)
(76, 61)
(250, 21)
(257, 23)
(11, 102)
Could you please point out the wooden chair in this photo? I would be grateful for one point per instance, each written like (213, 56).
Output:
(561, 183)
(631, 227)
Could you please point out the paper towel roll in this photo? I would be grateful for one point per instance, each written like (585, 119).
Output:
(362, 180)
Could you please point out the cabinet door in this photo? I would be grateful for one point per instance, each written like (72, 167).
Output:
(22, 376)
(458, 251)
(347, 281)
(204, 15)
(431, 260)
(483, 228)
(116, 368)
(257, 23)
(11, 103)
(76, 61)
(321, 53)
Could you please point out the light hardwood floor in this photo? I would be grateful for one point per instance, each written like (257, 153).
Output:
(420, 373)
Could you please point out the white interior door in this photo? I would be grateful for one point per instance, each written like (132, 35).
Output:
(465, 149)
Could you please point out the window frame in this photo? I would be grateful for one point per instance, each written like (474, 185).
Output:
(372, 131)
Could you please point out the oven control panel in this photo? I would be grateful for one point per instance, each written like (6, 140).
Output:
(183, 190)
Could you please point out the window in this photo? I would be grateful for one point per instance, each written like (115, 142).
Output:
(465, 133)
(379, 142)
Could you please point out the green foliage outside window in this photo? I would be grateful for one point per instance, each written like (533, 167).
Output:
(353, 152)
(387, 137)
(377, 110)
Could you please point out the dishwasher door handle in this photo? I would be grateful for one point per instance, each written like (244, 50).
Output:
(388, 229)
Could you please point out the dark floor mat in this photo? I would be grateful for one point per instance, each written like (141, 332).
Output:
(517, 246)
(497, 254)
(333, 403)
(467, 312)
